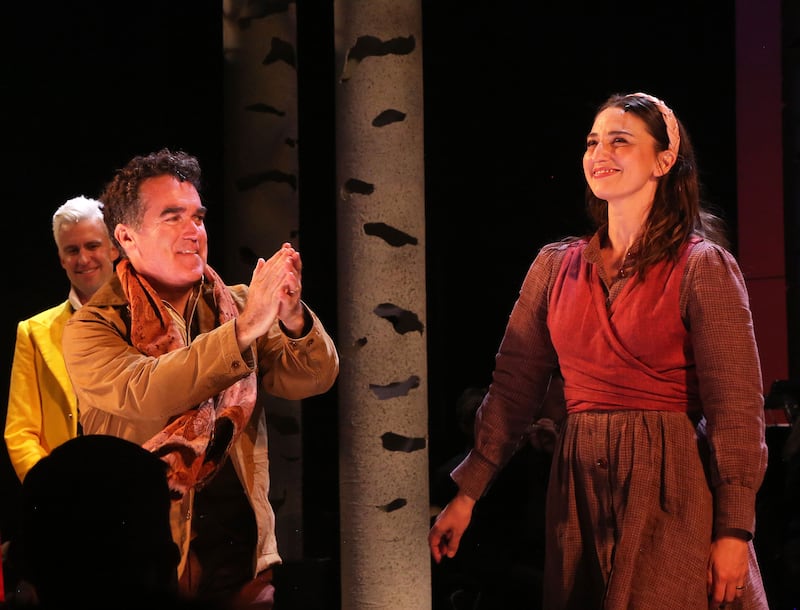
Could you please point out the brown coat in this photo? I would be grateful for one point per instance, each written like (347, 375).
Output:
(124, 393)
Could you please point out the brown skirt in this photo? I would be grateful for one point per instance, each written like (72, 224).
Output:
(630, 516)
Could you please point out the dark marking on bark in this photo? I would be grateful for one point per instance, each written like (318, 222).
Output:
(258, 9)
(265, 109)
(354, 185)
(398, 442)
(392, 236)
(370, 46)
(280, 51)
(394, 505)
(394, 389)
(402, 320)
(253, 180)
(387, 117)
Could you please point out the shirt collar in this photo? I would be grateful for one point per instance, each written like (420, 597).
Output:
(73, 299)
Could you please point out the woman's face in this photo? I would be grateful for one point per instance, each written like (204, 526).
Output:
(621, 162)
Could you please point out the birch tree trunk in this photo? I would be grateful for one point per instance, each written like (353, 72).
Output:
(261, 204)
(383, 415)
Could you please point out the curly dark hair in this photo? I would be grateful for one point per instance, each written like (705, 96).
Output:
(120, 196)
(677, 212)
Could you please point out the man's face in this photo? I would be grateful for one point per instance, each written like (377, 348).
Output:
(170, 248)
(86, 254)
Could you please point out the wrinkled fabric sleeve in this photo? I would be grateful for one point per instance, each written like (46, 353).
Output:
(294, 368)
(717, 312)
(111, 375)
(298, 368)
(524, 365)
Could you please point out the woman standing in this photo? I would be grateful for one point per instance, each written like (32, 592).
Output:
(651, 499)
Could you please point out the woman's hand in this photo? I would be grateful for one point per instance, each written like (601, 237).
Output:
(445, 535)
(727, 570)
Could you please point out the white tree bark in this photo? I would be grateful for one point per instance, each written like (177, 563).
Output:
(383, 415)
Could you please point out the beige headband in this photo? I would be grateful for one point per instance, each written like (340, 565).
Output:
(673, 133)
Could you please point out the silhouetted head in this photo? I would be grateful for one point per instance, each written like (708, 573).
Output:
(95, 525)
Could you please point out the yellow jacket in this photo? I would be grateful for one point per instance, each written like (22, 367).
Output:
(42, 409)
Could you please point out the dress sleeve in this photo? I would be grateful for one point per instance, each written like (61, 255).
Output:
(524, 365)
(717, 313)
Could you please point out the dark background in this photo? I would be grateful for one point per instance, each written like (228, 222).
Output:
(510, 91)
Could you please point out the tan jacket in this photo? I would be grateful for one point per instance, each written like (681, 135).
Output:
(42, 412)
(124, 393)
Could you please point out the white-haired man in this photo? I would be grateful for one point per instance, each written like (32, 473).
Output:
(42, 409)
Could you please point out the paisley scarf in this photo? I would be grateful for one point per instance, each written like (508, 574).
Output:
(194, 444)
